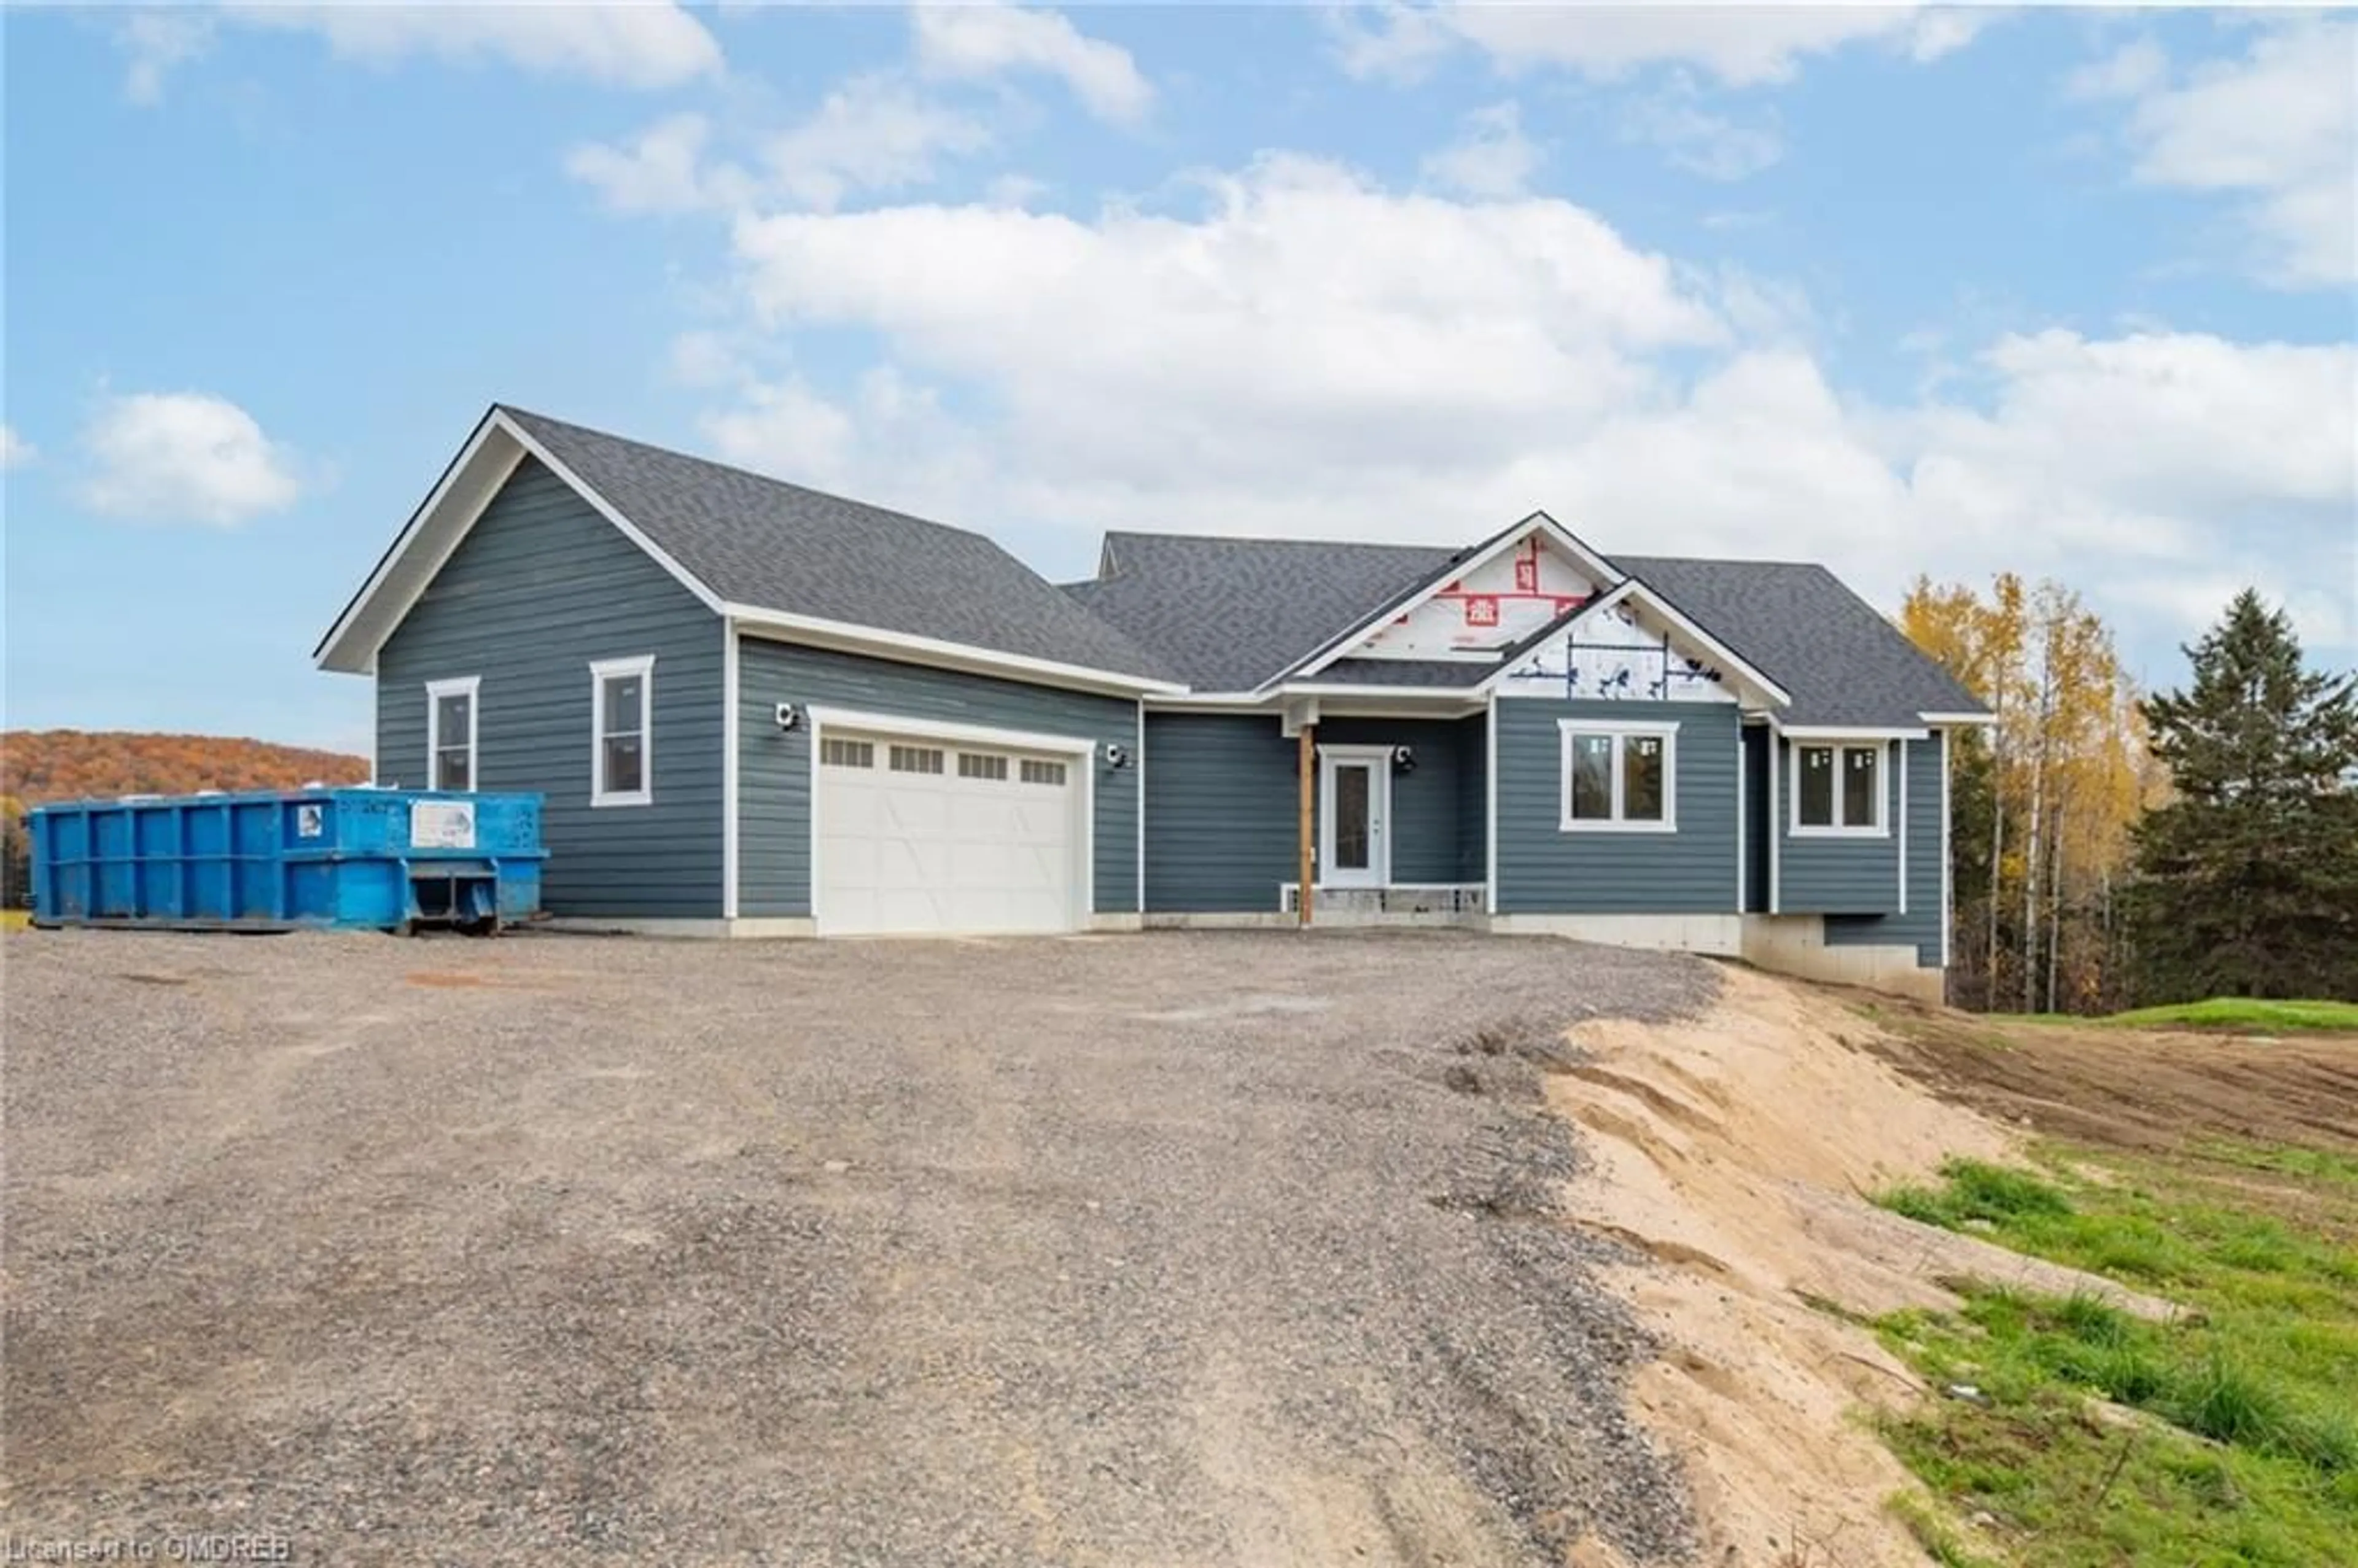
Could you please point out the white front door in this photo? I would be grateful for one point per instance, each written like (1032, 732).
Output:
(1354, 801)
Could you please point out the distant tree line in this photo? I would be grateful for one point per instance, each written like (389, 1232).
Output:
(2111, 850)
(42, 765)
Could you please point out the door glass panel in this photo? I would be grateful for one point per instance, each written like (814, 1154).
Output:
(1351, 792)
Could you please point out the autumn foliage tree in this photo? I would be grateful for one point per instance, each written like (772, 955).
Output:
(42, 765)
(2043, 799)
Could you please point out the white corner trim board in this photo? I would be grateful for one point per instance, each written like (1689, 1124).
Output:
(731, 681)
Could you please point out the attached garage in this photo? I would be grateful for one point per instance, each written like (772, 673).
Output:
(945, 830)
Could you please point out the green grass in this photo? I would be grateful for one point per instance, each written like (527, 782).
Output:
(2226, 1014)
(2244, 1446)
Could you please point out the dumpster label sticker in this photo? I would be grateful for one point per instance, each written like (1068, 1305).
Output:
(307, 822)
(442, 825)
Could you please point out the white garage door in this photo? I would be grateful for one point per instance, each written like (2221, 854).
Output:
(926, 835)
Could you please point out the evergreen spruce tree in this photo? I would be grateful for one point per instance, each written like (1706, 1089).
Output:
(2248, 877)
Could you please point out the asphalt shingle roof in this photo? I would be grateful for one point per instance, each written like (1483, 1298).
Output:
(758, 541)
(1438, 673)
(1227, 614)
(1843, 663)
(1221, 614)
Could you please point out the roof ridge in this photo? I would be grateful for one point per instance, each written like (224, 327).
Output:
(1268, 539)
(753, 474)
(1722, 561)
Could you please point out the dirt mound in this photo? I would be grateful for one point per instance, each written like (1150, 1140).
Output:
(2134, 1088)
(1735, 1151)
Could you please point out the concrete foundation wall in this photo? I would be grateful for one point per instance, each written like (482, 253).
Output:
(1796, 945)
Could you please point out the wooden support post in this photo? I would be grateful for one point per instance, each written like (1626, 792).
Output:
(1305, 743)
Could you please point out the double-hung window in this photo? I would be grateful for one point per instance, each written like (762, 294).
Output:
(1838, 790)
(451, 732)
(1619, 776)
(622, 734)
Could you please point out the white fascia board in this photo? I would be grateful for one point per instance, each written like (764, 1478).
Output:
(1677, 618)
(1606, 600)
(1211, 701)
(606, 509)
(1802, 732)
(1636, 588)
(1441, 696)
(1961, 720)
(1596, 566)
(782, 625)
(467, 488)
(468, 484)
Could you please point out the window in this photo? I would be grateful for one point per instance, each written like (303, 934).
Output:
(622, 737)
(1838, 789)
(1040, 772)
(981, 765)
(451, 732)
(916, 759)
(1619, 776)
(837, 753)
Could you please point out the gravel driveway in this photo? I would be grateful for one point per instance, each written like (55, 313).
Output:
(1180, 1249)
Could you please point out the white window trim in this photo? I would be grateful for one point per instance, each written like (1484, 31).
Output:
(472, 689)
(1880, 827)
(600, 672)
(1619, 729)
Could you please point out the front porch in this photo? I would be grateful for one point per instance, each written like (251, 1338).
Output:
(1400, 903)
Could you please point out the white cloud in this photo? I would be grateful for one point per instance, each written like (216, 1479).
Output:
(1491, 155)
(2277, 126)
(158, 41)
(184, 457)
(1309, 353)
(986, 40)
(1739, 45)
(661, 170)
(1696, 139)
(873, 132)
(15, 450)
(643, 44)
(2129, 72)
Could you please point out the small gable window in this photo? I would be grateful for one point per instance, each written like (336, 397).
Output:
(451, 732)
(1619, 776)
(622, 734)
(1838, 789)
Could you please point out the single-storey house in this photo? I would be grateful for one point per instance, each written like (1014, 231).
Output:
(756, 709)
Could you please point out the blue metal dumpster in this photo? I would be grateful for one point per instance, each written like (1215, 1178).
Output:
(354, 858)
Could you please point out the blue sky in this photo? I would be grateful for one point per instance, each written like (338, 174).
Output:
(1901, 290)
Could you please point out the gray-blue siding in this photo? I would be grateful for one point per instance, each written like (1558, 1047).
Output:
(1837, 875)
(774, 771)
(1544, 870)
(1223, 805)
(540, 587)
(1926, 761)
